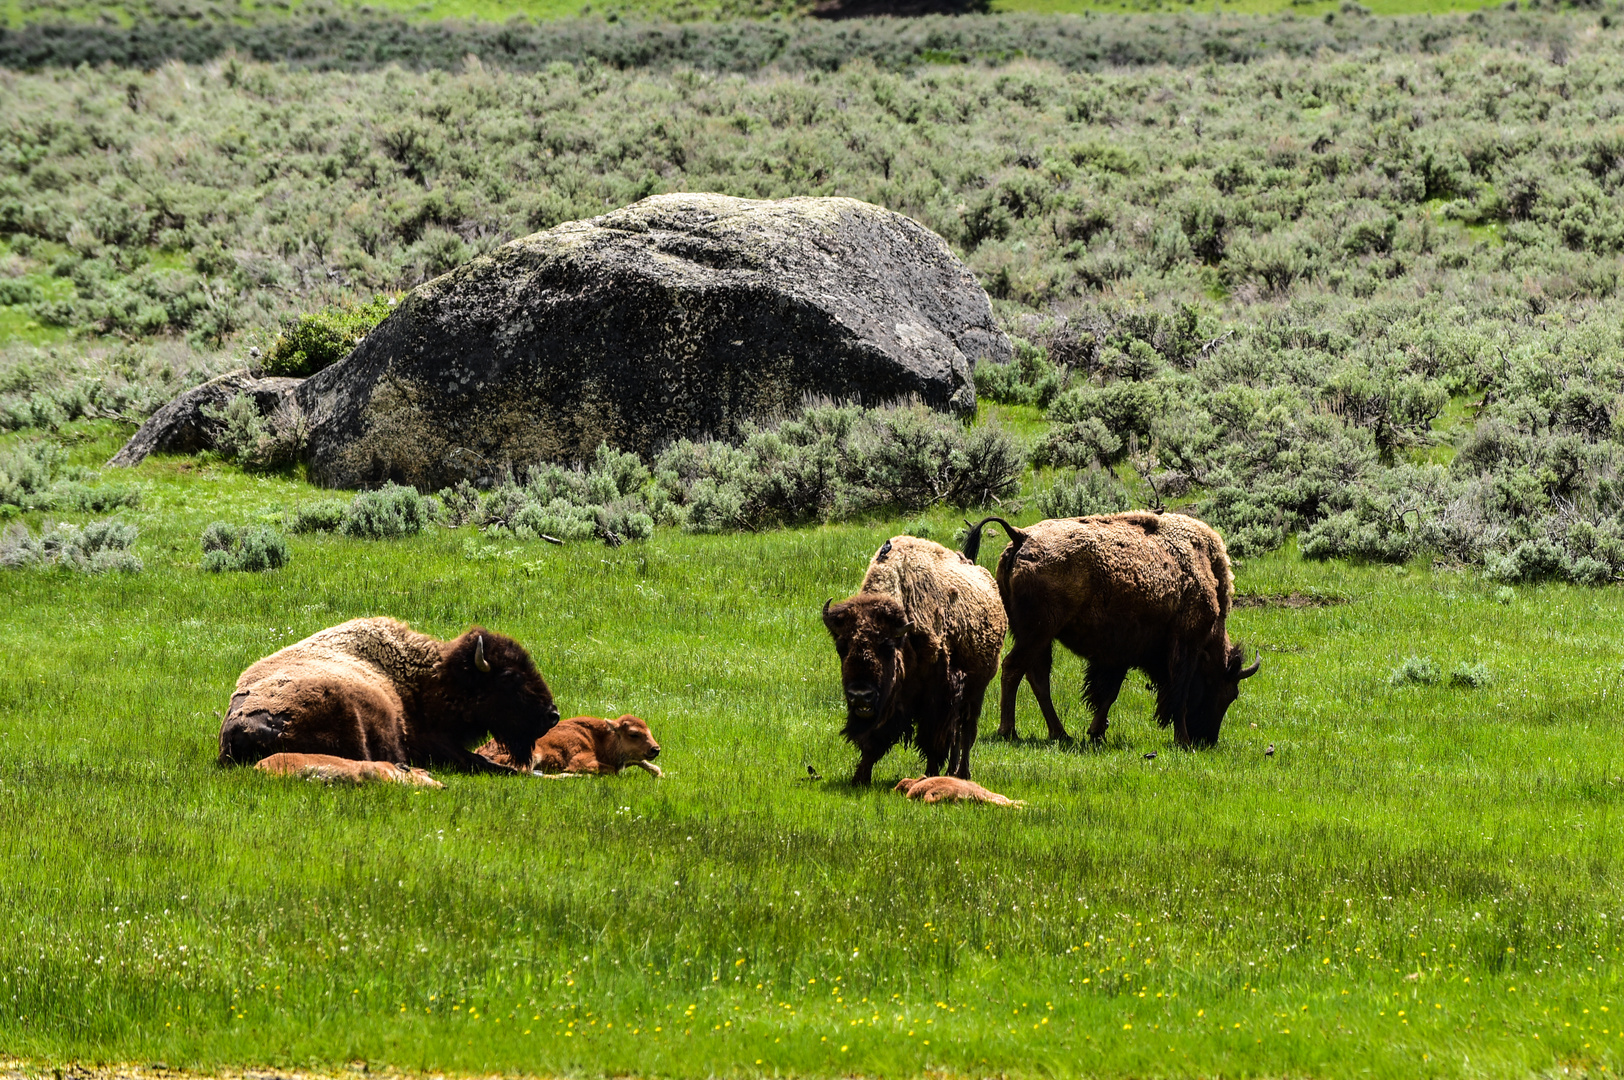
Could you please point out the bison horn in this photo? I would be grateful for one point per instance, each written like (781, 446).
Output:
(479, 654)
(826, 604)
(1248, 672)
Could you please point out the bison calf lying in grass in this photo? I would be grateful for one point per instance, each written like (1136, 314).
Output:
(376, 690)
(336, 770)
(1137, 590)
(949, 789)
(587, 745)
(918, 645)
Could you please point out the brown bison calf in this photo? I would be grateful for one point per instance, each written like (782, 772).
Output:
(587, 744)
(933, 789)
(918, 645)
(1136, 590)
(335, 770)
(376, 690)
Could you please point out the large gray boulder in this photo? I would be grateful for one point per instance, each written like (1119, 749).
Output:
(681, 315)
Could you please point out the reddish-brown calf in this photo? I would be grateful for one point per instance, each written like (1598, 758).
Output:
(588, 745)
(933, 789)
(336, 770)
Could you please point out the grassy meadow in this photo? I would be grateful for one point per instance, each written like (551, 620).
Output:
(1422, 880)
(1350, 285)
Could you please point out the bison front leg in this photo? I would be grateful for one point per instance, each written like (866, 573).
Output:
(865, 768)
(463, 760)
(1100, 690)
(975, 696)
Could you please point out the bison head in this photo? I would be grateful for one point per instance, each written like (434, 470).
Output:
(495, 684)
(632, 740)
(1221, 679)
(876, 646)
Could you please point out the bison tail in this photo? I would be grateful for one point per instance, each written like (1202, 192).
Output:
(972, 541)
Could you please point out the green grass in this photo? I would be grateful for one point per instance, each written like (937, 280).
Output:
(18, 323)
(1420, 881)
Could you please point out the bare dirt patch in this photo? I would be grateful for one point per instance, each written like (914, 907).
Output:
(1289, 600)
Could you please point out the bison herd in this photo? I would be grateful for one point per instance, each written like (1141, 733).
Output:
(373, 700)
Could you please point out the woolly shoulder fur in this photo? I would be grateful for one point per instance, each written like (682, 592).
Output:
(379, 647)
(943, 594)
(1121, 545)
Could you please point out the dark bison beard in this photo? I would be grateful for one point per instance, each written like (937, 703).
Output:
(890, 724)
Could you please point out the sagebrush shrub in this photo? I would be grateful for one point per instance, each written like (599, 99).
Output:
(251, 548)
(391, 511)
(1415, 670)
(98, 547)
(325, 515)
(1087, 491)
(254, 441)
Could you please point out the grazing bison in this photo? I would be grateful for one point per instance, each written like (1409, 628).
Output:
(918, 645)
(934, 789)
(587, 744)
(376, 690)
(1136, 590)
(337, 770)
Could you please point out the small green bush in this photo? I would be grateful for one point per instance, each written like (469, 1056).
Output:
(326, 515)
(559, 519)
(32, 477)
(1090, 491)
(1469, 676)
(314, 341)
(1532, 560)
(98, 547)
(1028, 379)
(250, 548)
(391, 511)
(1416, 670)
(255, 441)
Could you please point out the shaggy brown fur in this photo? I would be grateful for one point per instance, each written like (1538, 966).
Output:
(376, 690)
(588, 744)
(918, 645)
(336, 770)
(934, 789)
(1137, 590)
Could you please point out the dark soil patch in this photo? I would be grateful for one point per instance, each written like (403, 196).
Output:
(864, 9)
(1288, 600)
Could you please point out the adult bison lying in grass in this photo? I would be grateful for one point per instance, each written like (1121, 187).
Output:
(918, 645)
(1136, 590)
(376, 690)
